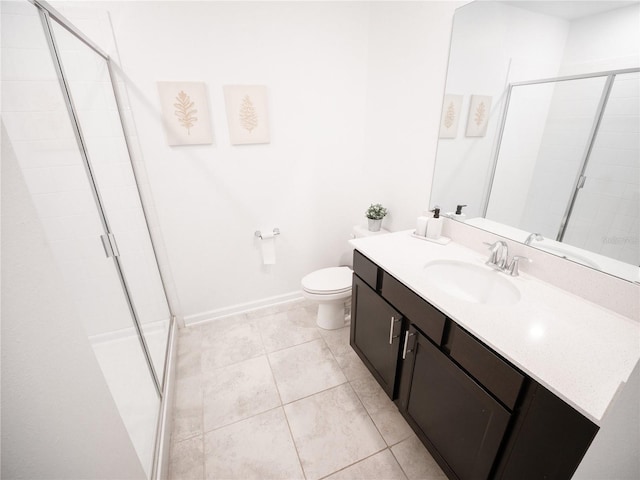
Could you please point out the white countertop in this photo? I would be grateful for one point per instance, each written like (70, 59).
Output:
(580, 351)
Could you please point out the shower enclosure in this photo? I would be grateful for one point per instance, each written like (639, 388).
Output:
(568, 162)
(62, 111)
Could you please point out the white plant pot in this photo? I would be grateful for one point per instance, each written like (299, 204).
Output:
(374, 225)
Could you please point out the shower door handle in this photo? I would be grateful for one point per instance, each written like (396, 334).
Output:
(109, 244)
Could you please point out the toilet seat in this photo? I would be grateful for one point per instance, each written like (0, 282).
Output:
(328, 281)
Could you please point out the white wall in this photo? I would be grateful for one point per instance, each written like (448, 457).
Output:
(329, 68)
(614, 453)
(58, 417)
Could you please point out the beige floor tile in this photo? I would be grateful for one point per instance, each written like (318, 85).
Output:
(304, 370)
(189, 340)
(187, 460)
(352, 366)
(391, 425)
(371, 394)
(337, 340)
(238, 391)
(286, 329)
(332, 430)
(347, 358)
(230, 344)
(189, 364)
(256, 448)
(210, 332)
(416, 461)
(187, 408)
(383, 411)
(381, 466)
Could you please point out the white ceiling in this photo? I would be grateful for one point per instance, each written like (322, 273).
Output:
(570, 9)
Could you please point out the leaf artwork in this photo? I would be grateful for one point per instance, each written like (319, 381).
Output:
(185, 111)
(248, 117)
(450, 116)
(481, 111)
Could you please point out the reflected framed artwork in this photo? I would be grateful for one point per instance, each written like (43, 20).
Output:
(450, 116)
(479, 109)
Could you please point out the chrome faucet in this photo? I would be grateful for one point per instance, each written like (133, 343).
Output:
(513, 266)
(499, 258)
(499, 254)
(532, 237)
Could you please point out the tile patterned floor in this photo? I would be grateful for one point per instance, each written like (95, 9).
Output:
(268, 395)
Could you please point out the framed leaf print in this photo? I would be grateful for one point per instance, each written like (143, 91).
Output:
(247, 114)
(450, 116)
(479, 109)
(185, 113)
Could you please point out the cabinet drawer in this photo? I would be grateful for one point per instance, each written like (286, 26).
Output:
(366, 269)
(427, 318)
(486, 367)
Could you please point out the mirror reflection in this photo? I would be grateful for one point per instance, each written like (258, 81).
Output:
(540, 129)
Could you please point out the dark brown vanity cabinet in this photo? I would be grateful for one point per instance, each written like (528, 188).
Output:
(375, 334)
(452, 412)
(479, 416)
(548, 439)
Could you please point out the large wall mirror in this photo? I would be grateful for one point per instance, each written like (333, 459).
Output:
(540, 129)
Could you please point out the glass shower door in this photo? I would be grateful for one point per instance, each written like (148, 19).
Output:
(94, 101)
(39, 130)
(606, 215)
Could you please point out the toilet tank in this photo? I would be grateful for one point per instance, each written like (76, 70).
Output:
(358, 231)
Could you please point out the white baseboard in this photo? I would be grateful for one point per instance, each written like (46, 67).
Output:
(242, 308)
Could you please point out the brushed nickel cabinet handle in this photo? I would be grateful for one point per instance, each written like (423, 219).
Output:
(406, 343)
(394, 320)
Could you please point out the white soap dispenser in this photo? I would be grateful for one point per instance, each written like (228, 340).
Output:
(434, 225)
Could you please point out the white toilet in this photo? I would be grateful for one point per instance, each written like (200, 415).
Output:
(331, 287)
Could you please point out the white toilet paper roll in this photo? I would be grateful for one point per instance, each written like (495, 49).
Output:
(268, 248)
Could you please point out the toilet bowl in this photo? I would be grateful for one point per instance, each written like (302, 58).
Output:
(331, 289)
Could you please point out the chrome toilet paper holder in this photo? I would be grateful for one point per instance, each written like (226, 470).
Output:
(258, 233)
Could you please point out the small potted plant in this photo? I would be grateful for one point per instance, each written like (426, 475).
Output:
(375, 213)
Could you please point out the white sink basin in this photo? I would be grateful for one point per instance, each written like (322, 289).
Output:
(471, 283)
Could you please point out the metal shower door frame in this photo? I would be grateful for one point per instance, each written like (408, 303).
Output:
(47, 12)
(580, 177)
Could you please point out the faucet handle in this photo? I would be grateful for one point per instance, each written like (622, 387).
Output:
(498, 256)
(513, 266)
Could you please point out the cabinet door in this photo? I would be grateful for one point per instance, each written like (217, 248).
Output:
(549, 439)
(460, 419)
(375, 334)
